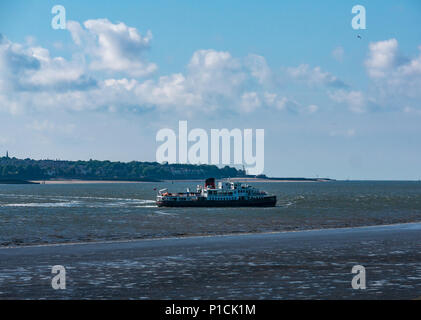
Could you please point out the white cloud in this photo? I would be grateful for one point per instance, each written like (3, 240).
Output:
(384, 63)
(259, 68)
(382, 58)
(77, 32)
(31, 68)
(283, 103)
(413, 67)
(355, 100)
(396, 78)
(57, 73)
(314, 76)
(15, 62)
(113, 47)
(213, 80)
(169, 91)
(32, 79)
(215, 72)
(109, 71)
(250, 101)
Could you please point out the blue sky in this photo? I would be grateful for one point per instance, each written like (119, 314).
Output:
(331, 104)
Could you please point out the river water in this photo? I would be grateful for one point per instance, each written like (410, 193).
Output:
(61, 213)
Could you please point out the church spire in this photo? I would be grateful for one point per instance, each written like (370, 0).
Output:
(7, 154)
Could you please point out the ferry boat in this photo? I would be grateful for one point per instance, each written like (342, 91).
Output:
(226, 194)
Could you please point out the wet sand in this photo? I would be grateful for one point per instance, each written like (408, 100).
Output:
(287, 265)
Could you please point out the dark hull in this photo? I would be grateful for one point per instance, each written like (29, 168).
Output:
(265, 202)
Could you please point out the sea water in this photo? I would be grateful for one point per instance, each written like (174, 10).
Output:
(60, 213)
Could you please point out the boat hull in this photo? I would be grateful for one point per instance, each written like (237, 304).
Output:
(269, 201)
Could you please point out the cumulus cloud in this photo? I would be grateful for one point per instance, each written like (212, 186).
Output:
(387, 66)
(382, 58)
(15, 63)
(394, 81)
(314, 76)
(259, 68)
(108, 71)
(216, 73)
(213, 80)
(280, 102)
(171, 91)
(32, 68)
(250, 101)
(397, 78)
(113, 47)
(30, 77)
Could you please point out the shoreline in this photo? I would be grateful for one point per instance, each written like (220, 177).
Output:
(77, 181)
(417, 224)
(245, 180)
(272, 180)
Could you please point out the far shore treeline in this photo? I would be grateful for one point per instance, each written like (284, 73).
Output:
(28, 169)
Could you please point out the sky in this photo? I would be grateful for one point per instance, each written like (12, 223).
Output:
(334, 101)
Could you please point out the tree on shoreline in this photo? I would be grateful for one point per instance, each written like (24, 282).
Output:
(13, 168)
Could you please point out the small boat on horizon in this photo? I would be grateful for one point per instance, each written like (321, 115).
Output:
(226, 194)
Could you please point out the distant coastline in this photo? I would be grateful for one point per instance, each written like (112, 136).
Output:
(15, 181)
(29, 171)
(79, 181)
(274, 179)
(239, 179)
(94, 170)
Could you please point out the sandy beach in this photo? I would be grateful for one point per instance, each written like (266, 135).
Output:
(251, 180)
(75, 181)
(286, 265)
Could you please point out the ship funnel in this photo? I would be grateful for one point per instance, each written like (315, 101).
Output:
(210, 182)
